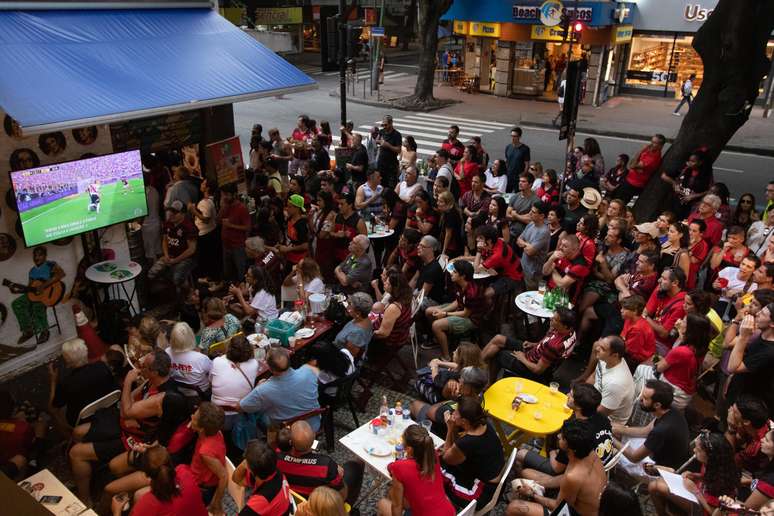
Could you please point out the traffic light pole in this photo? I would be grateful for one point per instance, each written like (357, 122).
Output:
(343, 62)
(569, 34)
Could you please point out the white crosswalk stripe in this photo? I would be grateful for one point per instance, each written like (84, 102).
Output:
(428, 125)
(461, 121)
(366, 74)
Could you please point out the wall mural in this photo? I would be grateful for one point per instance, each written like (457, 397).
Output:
(34, 321)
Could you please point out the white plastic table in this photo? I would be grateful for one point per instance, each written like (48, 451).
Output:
(531, 302)
(114, 274)
(382, 234)
(357, 440)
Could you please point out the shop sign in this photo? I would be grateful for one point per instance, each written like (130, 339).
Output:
(533, 13)
(316, 12)
(551, 13)
(489, 30)
(460, 27)
(622, 34)
(696, 13)
(278, 16)
(377, 32)
(651, 75)
(543, 33)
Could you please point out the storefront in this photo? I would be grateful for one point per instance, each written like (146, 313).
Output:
(661, 57)
(516, 48)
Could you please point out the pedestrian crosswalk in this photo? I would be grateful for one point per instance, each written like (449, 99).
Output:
(430, 130)
(366, 74)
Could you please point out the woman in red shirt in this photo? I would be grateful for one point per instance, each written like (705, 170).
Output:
(680, 366)
(173, 491)
(548, 191)
(466, 168)
(417, 483)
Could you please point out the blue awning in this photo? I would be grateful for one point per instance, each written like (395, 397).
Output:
(65, 69)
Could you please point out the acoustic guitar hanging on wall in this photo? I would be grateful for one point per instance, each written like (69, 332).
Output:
(49, 296)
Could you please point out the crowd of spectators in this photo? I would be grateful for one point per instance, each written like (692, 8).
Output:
(666, 317)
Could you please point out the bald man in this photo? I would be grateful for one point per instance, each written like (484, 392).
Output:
(354, 273)
(289, 392)
(306, 469)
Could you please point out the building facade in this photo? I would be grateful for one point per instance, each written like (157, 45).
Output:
(516, 49)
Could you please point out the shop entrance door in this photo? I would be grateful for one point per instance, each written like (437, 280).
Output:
(488, 64)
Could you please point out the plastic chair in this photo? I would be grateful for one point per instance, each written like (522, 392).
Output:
(496, 496)
(615, 459)
(106, 401)
(236, 491)
(470, 510)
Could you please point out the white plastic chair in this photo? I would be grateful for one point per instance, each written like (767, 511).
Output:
(236, 491)
(615, 459)
(496, 496)
(470, 510)
(108, 400)
(416, 302)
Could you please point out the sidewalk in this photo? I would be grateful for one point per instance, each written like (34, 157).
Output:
(624, 117)
(310, 58)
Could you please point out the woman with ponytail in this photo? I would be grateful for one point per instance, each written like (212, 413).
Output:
(172, 491)
(417, 483)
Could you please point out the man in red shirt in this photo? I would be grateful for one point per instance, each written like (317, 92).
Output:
(178, 246)
(637, 333)
(271, 493)
(708, 208)
(533, 360)
(665, 308)
(453, 146)
(645, 163)
(566, 267)
(462, 315)
(235, 225)
(498, 259)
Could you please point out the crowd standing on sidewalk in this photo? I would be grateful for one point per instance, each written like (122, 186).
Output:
(673, 319)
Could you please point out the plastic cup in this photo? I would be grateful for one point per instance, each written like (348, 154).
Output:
(553, 387)
(542, 288)
(537, 415)
(427, 425)
(292, 342)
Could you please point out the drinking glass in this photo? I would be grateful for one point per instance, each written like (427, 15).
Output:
(554, 387)
(427, 425)
(542, 288)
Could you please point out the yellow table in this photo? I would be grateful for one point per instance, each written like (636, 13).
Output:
(552, 407)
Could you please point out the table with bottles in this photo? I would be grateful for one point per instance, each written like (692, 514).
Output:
(378, 442)
(539, 304)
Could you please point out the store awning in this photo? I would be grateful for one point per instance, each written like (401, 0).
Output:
(65, 69)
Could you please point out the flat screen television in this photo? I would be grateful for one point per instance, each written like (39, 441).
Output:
(66, 199)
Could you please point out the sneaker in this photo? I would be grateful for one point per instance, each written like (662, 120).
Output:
(25, 336)
(675, 114)
(430, 344)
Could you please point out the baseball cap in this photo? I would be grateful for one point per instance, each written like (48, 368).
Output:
(297, 201)
(649, 228)
(176, 205)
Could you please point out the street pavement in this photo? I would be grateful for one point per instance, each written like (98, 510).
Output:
(623, 125)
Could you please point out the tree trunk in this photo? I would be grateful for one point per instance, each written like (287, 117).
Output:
(430, 12)
(732, 46)
(408, 30)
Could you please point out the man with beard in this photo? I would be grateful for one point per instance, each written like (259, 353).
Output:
(665, 308)
(664, 441)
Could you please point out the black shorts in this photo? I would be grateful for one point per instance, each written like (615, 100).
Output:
(105, 434)
(503, 285)
(505, 358)
(94, 198)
